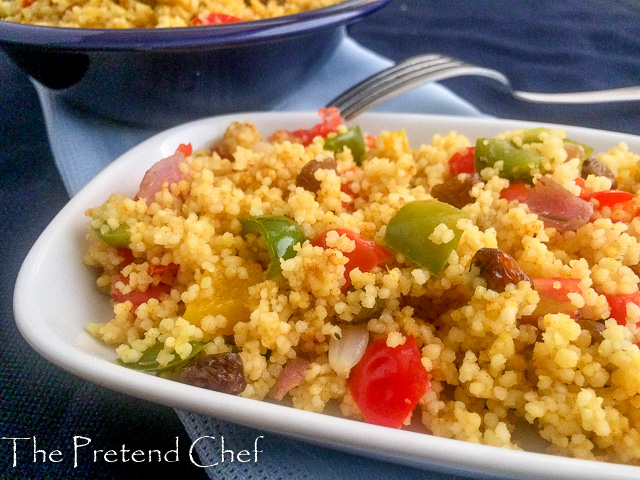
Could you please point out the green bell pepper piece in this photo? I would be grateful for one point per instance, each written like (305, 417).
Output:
(517, 163)
(352, 138)
(148, 363)
(280, 233)
(532, 135)
(409, 230)
(119, 237)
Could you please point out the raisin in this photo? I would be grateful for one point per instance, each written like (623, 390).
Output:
(456, 192)
(222, 372)
(498, 268)
(591, 166)
(306, 178)
(594, 327)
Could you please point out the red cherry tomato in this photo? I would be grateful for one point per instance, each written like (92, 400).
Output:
(618, 304)
(462, 162)
(213, 19)
(365, 256)
(515, 191)
(387, 383)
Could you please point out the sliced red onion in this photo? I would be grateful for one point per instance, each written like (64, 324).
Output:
(166, 170)
(558, 208)
(293, 374)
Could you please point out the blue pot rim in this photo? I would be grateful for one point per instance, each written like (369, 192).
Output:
(227, 35)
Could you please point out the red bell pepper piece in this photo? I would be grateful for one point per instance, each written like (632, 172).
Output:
(462, 162)
(186, 149)
(137, 297)
(213, 19)
(618, 304)
(554, 294)
(160, 270)
(516, 190)
(365, 256)
(331, 120)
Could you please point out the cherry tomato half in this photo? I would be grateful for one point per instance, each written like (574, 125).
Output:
(365, 256)
(388, 382)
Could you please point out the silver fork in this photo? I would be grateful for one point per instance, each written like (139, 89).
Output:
(422, 69)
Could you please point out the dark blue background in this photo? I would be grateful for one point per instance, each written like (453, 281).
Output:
(540, 45)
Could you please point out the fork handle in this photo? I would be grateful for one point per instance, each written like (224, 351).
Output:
(597, 96)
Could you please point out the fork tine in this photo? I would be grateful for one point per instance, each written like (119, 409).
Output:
(376, 92)
(388, 74)
(405, 76)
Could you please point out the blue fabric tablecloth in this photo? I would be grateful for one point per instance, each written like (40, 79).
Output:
(541, 45)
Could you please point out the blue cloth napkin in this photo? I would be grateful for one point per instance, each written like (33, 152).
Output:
(83, 145)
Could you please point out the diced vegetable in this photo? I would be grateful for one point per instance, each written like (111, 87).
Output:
(120, 237)
(573, 148)
(171, 269)
(292, 375)
(280, 234)
(185, 148)
(617, 205)
(346, 352)
(137, 297)
(557, 207)
(230, 298)
(412, 232)
(577, 149)
(618, 304)
(554, 294)
(388, 382)
(352, 139)
(462, 162)
(516, 190)
(609, 198)
(164, 171)
(517, 164)
(366, 255)
(331, 120)
(148, 362)
(213, 19)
